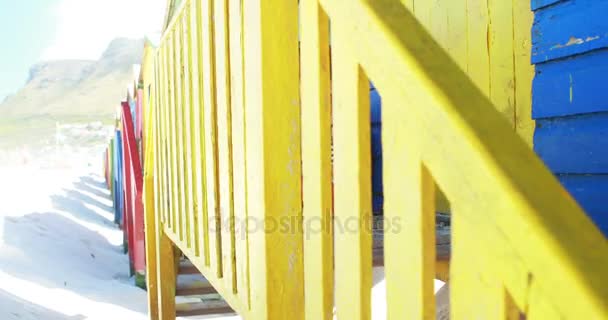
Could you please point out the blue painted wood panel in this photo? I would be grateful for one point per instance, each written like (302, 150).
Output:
(569, 28)
(591, 192)
(376, 149)
(571, 86)
(574, 144)
(537, 4)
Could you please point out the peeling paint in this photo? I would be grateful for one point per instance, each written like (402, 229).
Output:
(571, 87)
(574, 41)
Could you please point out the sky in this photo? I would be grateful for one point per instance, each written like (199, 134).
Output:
(39, 30)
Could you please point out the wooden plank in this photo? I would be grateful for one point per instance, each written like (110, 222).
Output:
(274, 168)
(316, 162)
(210, 125)
(524, 70)
(538, 4)
(409, 252)
(193, 286)
(186, 267)
(172, 147)
(150, 108)
(199, 218)
(574, 144)
(476, 287)
(202, 308)
(352, 181)
(202, 193)
(478, 62)
(224, 140)
(187, 124)
(167, 276)
(572, 86)
(456, 31)
(167, 169)
(500, 48)
(495, 172)
(179, 71)
(237, 104)
(568, 29)
(590, 193)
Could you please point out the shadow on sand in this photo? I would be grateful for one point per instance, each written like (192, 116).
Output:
(15, 308)
(58, 245)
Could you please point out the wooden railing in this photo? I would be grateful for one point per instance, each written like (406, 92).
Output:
(242, 169)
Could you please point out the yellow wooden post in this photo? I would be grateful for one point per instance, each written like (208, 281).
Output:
(178, 73)
(316, 162)
(200, 148)
(210, 141)
(172, 142)
(198, 228)
(409, 211)
(500, 48)
(352, 182)
(239, 170)
(187, 126)
(167, 275)
(523, 18)
(273, 158)
(224, 136)
(150, 179)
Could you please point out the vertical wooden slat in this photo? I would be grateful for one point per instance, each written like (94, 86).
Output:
(160, 191)
(423, 11)
(456, 31)
(352, 183)
(409, 211)
(273, 157)
(151, 180)
(478, 62)
(195, 132)
(524, 70)
(166, 168)
(476, 288)
(187, 128)
(500, 42)
(210, 124)
(172, 148)
(204, 193)
(238, 149)
(224, 135)
(179, 131)
(168, 128)
(316, 162)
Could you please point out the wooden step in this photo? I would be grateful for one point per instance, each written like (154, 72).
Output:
(203, 308)
(186, 267)
(191, 285)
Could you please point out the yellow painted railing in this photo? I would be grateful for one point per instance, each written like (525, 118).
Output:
(246, 187)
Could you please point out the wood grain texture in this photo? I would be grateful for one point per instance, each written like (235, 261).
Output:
(352, 180)
(571, 87)
(210, 125)
(316, 162)
(274, 174)
(490, 169)
(224, 140)
(151, 204)
(201, 147)
(239, 148)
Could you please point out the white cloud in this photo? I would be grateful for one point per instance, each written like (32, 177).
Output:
(85, 27)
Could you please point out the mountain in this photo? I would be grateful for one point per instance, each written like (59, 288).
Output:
(70, 91)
